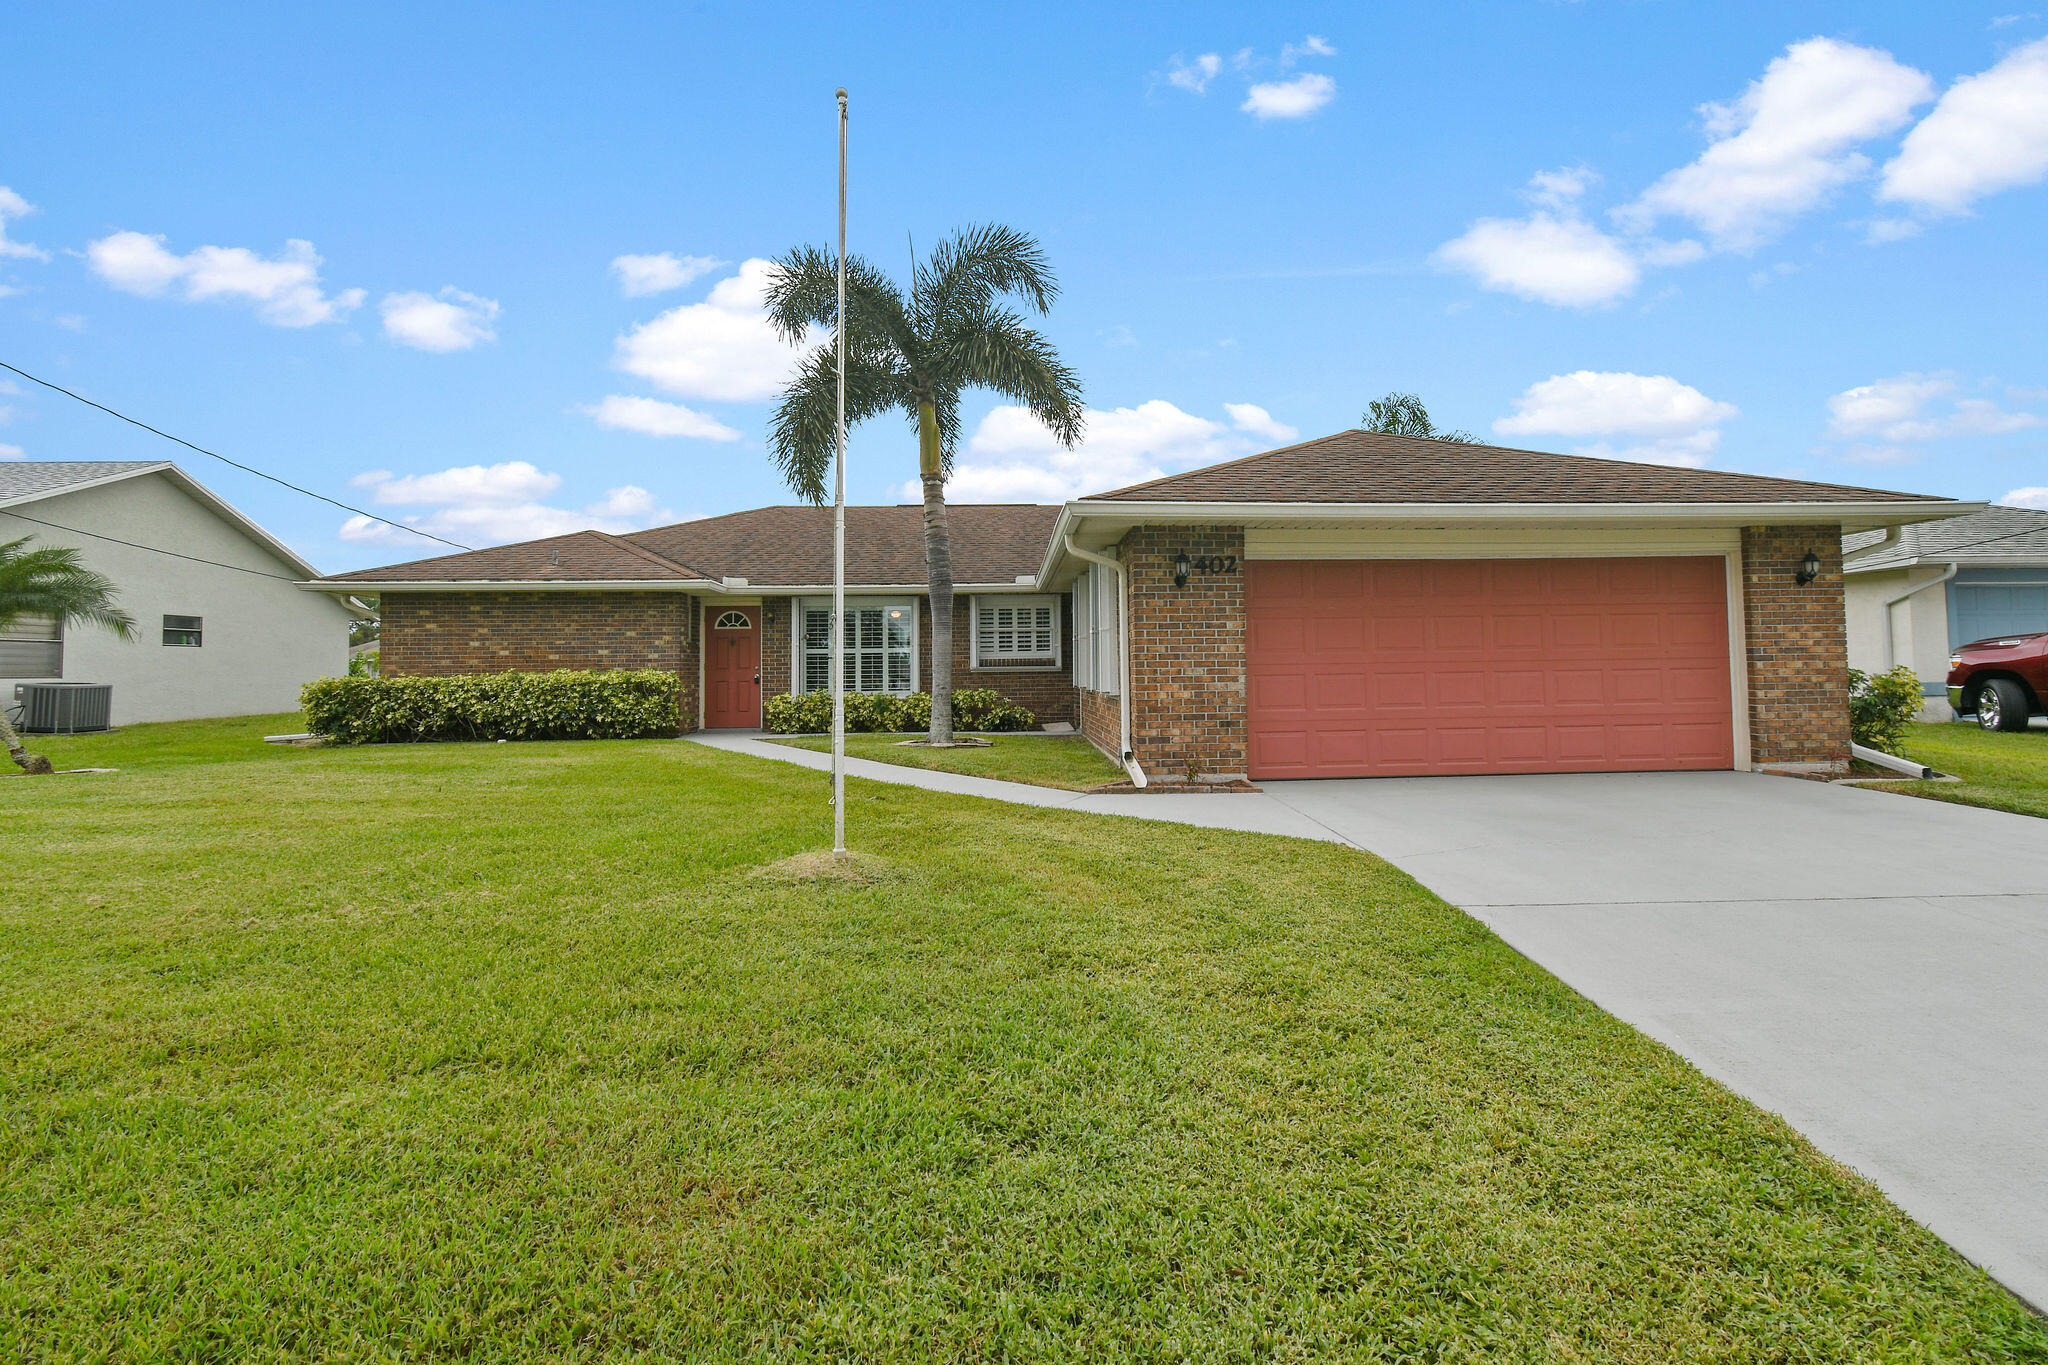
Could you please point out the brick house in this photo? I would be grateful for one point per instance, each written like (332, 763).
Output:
(1358, 605)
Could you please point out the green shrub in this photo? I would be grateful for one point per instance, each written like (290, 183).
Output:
(1881, 705)
(565, 704)
(810, 713)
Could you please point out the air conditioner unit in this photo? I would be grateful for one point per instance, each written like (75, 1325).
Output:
(64, 708)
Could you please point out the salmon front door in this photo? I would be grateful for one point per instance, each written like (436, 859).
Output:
(732, 668)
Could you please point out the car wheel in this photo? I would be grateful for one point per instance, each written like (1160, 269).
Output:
(2002, 705)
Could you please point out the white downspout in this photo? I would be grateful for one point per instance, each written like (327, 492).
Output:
(1123, 656)
(1891, 658)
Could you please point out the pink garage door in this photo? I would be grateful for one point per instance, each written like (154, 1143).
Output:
(1380, 668)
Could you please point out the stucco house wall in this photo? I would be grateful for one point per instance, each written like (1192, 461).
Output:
(263, 637)
(1920, 629)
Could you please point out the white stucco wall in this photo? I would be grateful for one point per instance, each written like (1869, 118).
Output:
(263, 637)
(1919, 629)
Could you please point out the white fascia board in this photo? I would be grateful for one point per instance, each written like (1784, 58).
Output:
(1942, 561)
(1852, 516)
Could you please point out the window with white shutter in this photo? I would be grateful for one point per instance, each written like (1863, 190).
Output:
(1012, 630)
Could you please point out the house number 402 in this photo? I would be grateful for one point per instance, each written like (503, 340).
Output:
(1215, 564)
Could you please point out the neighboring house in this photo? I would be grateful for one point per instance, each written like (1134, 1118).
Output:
(1352, 606)
(221, 628)
(1916, 592)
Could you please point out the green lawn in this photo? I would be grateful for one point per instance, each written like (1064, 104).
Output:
(526, 1052)
(2006, 770)
(1043, 760)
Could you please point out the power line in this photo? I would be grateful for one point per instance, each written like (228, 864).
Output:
(153, 549)
(398, 525)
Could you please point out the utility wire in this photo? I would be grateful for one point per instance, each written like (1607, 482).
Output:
(153, 549)
(398, 525)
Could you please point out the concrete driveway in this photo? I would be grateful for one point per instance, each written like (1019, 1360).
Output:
(1872, 967)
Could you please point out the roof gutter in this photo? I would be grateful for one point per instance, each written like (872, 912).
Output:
(1864, 514)
(1891, 658)
(1889, 539)
(1123, 654)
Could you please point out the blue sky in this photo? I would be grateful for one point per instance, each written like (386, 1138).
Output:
(377, 250)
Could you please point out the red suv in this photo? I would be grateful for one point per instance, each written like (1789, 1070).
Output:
(2001, 681)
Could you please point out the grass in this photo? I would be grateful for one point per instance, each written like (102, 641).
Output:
(2005, 770)
(567, 1052)
(1067, 761)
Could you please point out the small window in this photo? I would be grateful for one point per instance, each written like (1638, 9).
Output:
(1016, 632)
(733, 620)
(33, 647)
(182, 631)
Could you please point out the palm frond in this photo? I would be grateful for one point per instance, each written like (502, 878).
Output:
(802, 434)
(976, 266)
(803, 292)
(995, 349)
(53, 581)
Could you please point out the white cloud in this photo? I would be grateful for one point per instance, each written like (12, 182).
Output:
(652, 417)
(1312, 46)
(1011, 457)
(1254, 420)
(448, 321)
(2026, 497)
(1988, 133)
(1787, 142)
(640, 276)
(1910, 408)
(284, 289)
(1549, 257)
(722, 349)
(8, 452)
(13, 205)
(492, 504)
(1296, 98)
(494, 485)
(1193, 76)
(1658, 419)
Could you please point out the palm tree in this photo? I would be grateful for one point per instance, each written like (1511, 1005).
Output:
(1402, 414)
(917, 356)
(51, 582)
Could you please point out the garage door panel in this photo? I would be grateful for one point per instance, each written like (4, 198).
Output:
(1360, 668)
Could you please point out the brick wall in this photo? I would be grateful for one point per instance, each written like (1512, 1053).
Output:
(441, 633)
(1798, 649)
(1100, 721)
(1187, 661)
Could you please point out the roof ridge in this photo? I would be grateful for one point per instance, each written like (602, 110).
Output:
(642, 552)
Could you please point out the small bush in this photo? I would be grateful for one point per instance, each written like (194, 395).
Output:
(1881, 705)
(564, 704)
(810, 713)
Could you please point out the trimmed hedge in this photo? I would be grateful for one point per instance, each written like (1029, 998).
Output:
(810, 713)
(564, 704)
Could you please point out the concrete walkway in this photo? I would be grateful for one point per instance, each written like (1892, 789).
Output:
(1870, 966)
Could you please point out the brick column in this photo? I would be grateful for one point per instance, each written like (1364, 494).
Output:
(1187, 654)
(1798, 649)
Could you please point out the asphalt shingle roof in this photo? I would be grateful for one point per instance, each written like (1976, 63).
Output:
(1997, 533)
(768, 546)
(45, 478)
(1367, 467)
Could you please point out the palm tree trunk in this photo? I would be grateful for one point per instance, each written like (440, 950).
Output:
(36, 763)
(938, 563)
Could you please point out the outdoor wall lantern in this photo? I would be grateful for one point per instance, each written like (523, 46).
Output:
(1181, 569)
(768, 613)
(1809, 569)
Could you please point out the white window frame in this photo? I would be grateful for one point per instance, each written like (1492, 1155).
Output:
(1084, 633)
(797, 652)
(1104, 619)
(198, 630)
(1008, 663)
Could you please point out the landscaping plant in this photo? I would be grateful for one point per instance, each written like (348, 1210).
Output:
(810, 713)
(564, 704)
(917, 356)
(52, 582)
(1881, 706)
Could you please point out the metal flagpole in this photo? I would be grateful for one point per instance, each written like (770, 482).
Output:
(839, 529)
